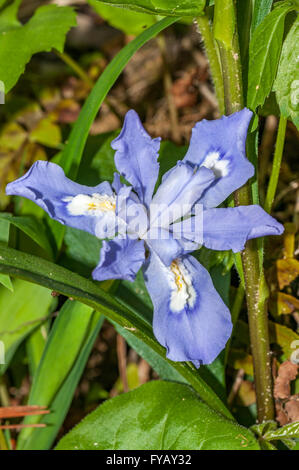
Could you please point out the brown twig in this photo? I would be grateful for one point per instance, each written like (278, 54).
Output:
(19, 411)
(236, 386)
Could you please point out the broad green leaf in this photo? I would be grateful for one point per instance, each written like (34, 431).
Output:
(19, 44)
(261, 8)
(42, 439)
(157, 415)
(264, 52)
(71, 284)
(162, 7)
(32, 227)
(6, 282)
(98, 160)
(20, 313)
(286, 432)
(286, 84)
(72, 153)
(8, 16)
(130, 22)
(77, 257)
(62, 348)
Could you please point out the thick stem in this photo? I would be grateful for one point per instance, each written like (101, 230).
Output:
(276, 163)
(213, 57)
(256, 290)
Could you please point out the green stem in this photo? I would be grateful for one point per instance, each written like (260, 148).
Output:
(235, 312)
(213, 57)
(75, 67)
(276, 163)
(256, 289)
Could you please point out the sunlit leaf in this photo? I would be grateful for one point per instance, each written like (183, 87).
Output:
(130, 22)
(162, 7)
(21, 312)
(264, 52)
(286, 84)
(170, 413)
(17, 45)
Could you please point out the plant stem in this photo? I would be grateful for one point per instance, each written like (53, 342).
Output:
(256, 289)
(235, 312)
(213, 57)
(75, 67)
(276, 163)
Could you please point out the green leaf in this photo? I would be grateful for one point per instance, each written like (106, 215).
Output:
(72, 153)
(261, 8)
(6, 282)
(71, 284)
(32, 227)
(162, 7)
(62, 348)
(130, 22)
(286, 84)
(264, 53)
(8, 16)
(4, 237)
(42, 439)
(77, 255)
(20, 313)
(286, 432)
(157, 415)
(19, 44)
(35, 346)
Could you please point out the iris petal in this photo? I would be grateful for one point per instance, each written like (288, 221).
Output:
(190, 319)
(64, 200)
(120, 259)
(230, 228)
(181, 187)
(136, 156)
(220, 146)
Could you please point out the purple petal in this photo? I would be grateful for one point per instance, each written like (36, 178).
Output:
(181, 187)
(190, 319)
(136, 156)
(46, 185)
(220, 146)
(120, 259)
(230, 228)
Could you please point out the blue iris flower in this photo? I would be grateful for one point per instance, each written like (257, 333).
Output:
(190, 319)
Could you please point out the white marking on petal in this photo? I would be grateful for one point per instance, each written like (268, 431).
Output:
(214, 162)
(94, 205)
(182, 290)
